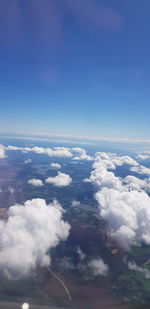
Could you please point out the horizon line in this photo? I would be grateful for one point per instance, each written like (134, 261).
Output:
(30, 135)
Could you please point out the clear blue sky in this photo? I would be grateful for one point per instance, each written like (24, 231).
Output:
(75, 66)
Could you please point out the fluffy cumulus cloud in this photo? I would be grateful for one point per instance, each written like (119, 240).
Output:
(2, 152)
(30, 231)
(142, 170)
(135, 183)
(143, 156)
(76, 153)
(128, 214)
(111, 160)
(98, 267)
(75, 203)
(35, 182)
(61, 152)
(61, 180)
(81, 154)
(124, 203)
(100, 177)
(55, 165)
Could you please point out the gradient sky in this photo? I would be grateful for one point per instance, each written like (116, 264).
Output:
(75, 67)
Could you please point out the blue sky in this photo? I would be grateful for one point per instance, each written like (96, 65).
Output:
(75, 67)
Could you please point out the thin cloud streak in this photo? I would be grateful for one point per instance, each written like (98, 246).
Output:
(83, 138)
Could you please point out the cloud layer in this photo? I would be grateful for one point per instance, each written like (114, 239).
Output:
(30, 231)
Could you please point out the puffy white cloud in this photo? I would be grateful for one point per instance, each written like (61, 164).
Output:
(55, 165)
(35, 182)
(128, 215)
(28, 161)
(61, 180)
(81, 154)
(61, 152)
(100, 177)
(133, 266)
(86, 180)
(30, 231)
(75, 203)
(143, 156)
(98, 267)
(122, 202)
(140, 170)
(135, 183)
(111, 160)
(81, 254)
(2, 152)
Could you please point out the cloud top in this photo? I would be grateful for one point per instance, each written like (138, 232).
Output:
(61, 180)
(35, 182)
(124, 203)
(55, 165)
(30, 231)
(98, 267)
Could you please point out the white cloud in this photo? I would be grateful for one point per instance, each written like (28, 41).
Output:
(128, 215)
(61, 152)
(80, 138)
(81, 154)
(135, 267)
(135, 183)
(98, 267)
(75, 203)
(81, 254)
(111, 160)
(2, 152)
(122, 202)
(55, 165)
(142, 170)
(100, 177)
(30, 231)
(86, 180)
(35, 182)
(28, 161)
(143, 156)
(61, 180)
